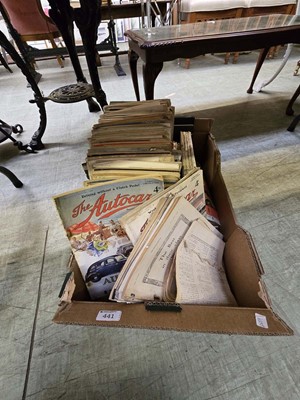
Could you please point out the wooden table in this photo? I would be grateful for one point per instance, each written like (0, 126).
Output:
(158, 45)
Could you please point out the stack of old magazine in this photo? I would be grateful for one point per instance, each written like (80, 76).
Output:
(133, 139)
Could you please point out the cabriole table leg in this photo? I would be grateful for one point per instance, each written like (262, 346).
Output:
(150, 73)
(132, 59)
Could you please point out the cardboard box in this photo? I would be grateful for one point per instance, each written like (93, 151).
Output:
(254, 314)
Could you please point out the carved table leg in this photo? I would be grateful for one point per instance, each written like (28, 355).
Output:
(150, 73)
(62, 14)
(262, 84)
(259, 63)
(133, 58)
(87, 19)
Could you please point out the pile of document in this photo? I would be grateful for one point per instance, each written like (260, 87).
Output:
(178, 257)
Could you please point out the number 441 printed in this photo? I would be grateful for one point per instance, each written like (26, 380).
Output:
(108, 315)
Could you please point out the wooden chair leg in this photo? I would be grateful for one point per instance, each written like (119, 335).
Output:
(235, 57)
(271, 53)
(187, 63)
(227, 57)
(276, 50)
(59, 58)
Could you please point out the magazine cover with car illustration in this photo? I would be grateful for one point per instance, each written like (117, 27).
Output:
(90, 219)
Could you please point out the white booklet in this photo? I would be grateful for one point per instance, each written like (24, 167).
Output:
(200, 275)
(190, 186)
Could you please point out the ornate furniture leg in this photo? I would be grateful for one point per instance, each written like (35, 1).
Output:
(262, 84)
(133, 58)
(36, 140)
(62, 14)
(262, 55)
(87, 19)
(150, 73)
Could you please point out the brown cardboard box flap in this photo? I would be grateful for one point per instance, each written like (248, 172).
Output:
(193, 318)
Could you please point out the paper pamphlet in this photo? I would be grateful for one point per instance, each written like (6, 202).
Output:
(200, 275)
(191, 187)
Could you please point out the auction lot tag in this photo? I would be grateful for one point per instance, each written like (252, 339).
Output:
(261, 321)
(109, 315)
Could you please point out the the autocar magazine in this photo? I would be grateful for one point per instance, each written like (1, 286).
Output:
(90, 217)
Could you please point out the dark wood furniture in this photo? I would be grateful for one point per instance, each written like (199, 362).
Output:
(158, 45)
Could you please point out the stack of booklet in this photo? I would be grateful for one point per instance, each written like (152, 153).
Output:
(132, 139)
(143, 227)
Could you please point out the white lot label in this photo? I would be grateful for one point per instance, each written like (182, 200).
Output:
(261, 321)
(109, 315)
